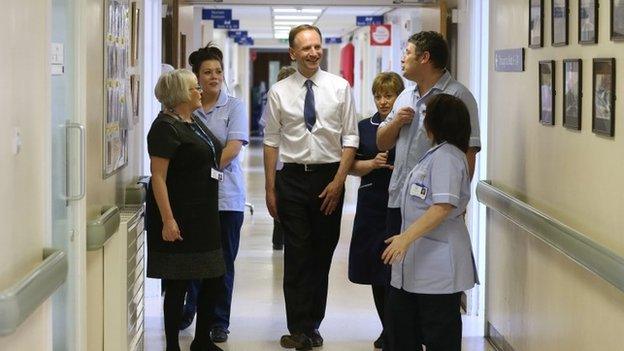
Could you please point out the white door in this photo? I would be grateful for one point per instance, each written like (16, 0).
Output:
(67, 171)
(25, 157)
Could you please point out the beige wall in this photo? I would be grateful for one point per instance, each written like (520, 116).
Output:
(24, 178)
(109, 191)
(537, 298)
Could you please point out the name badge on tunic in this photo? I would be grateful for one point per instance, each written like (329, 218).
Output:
(418, 190)
(218, 175)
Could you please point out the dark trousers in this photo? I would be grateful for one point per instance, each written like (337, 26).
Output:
(310, 238)
(231, 223)
(393, 221)
(278, 234)
(209, 291)
(413, 320)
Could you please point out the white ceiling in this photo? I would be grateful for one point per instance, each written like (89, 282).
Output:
(334, 21)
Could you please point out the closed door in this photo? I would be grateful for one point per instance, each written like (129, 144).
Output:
(67, 172)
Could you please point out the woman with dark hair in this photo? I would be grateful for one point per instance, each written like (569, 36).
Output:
(375, 168)
(431, 258)
(183, 235)
(226, 117)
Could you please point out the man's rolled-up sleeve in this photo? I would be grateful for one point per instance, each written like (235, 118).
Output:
(350, 134)
(273, 125)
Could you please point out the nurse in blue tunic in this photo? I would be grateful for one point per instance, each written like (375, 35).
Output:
(375, 168)
(432, 261)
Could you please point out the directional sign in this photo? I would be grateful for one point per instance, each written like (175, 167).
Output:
(368, 20)
(226, 24)
(236, 33)
(333, 40)
(220, 14)
(244, 41)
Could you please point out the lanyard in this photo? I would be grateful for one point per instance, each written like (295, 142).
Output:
(203, 136)
(201, 133)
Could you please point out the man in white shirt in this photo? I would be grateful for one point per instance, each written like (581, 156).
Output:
(311, 125)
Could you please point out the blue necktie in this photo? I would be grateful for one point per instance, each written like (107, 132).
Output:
(309, 114)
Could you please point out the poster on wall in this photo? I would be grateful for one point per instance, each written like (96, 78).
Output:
(617, 20)
(559, 23)
(588, 21)
(381, 35)
(134, 46)
(116, 86)
(603, 92)
(536, 23)
(572, 85)
(547, 92)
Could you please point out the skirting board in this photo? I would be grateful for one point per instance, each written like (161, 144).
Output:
(496, 339)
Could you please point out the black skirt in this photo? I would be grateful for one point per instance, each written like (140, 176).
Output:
(193, 196)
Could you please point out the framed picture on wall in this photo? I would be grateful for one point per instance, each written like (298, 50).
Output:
(559, 23)
(547, 92)
(617, 20)
(588, 21)
(135, 12)
(536, 23)
(603, 92)
(572, 93)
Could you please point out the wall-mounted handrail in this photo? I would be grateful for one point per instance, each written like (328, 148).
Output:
(581, 249)
(20, 300)
(102, 228)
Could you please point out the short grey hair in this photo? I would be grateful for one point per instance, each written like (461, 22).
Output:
(173, 88)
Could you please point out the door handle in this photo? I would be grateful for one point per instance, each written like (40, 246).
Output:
(69, 197)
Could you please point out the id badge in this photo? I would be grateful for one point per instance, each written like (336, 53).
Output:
(218, 175)
(419, 191)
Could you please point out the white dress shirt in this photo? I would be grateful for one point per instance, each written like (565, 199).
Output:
(336, 124)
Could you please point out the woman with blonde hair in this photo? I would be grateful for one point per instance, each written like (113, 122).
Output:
(182, 218)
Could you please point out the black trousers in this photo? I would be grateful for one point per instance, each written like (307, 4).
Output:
(310, 238)
(412, 320)
(209, 291)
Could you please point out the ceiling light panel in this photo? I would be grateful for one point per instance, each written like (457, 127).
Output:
(295, 17)
(290, 23)
(308, 10)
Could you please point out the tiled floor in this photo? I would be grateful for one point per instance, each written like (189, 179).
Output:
(258, 316)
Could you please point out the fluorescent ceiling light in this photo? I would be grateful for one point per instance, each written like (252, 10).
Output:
(295, 17)
(282, 27)
(290, 23)
(283, 10)
(281, 35)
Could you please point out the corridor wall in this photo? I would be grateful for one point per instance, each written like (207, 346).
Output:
(110, 190)
(25, 176)
(538, 299)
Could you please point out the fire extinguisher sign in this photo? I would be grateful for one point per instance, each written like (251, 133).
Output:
(381, 35)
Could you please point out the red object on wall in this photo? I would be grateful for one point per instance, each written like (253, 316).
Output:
(381, 35)
(347, 58)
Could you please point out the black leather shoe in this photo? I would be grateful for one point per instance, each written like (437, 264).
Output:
(316, 338)
(378, 344)
(209, 346)
(298, 341)
(218, 335)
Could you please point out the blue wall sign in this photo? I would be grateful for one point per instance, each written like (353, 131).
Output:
(226, 24)
(368, 20)
(333, 40)
(236, 33)
(212, 14)
(244, 41)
